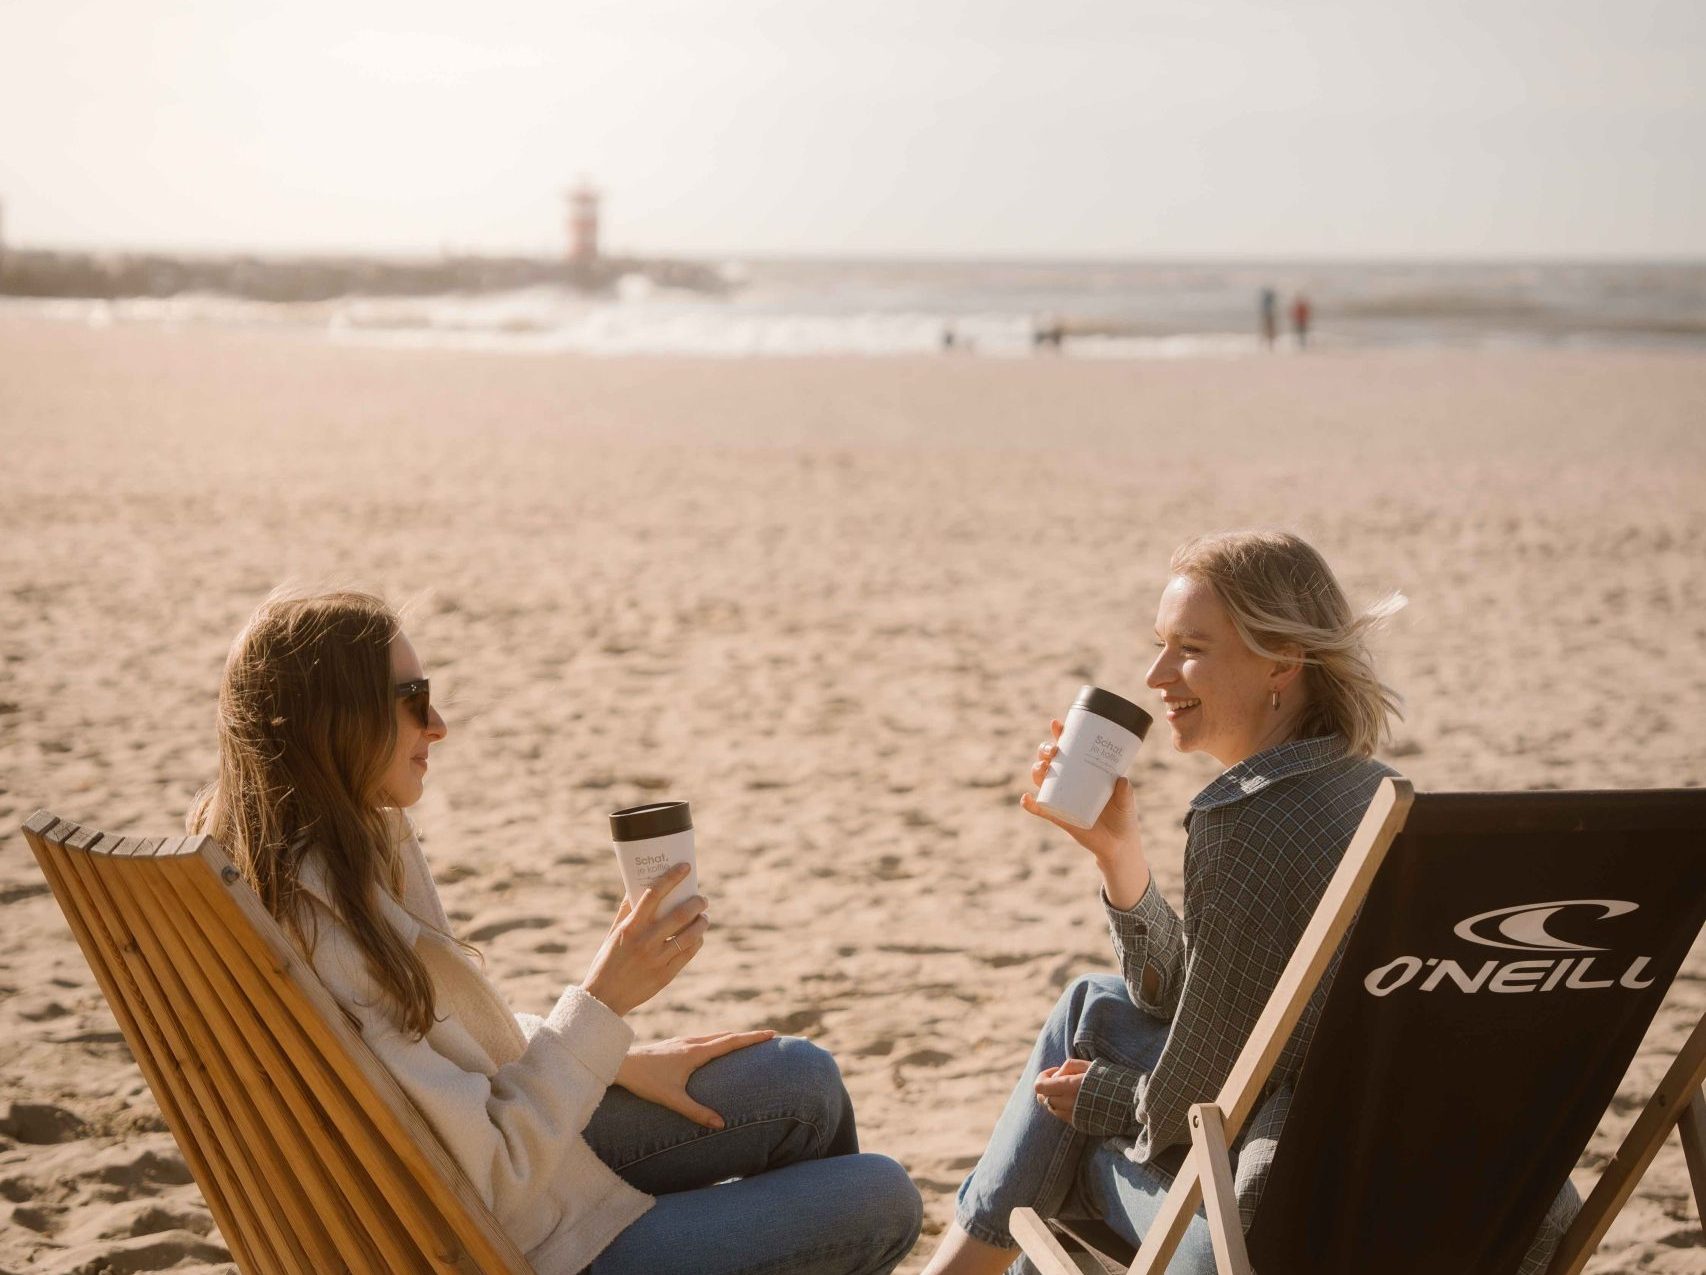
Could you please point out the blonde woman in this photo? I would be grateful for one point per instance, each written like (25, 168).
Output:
(713, 1155)
(1261, 664)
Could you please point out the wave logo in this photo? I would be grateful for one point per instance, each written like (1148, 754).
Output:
(1524, 927)
(1520, 929)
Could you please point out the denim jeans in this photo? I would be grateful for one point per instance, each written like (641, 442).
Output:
(804, 1200)
(1035, 1160)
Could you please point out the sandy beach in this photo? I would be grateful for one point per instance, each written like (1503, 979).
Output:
(832, 602)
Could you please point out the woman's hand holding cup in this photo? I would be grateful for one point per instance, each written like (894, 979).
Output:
(1114, 840)
(644, 951)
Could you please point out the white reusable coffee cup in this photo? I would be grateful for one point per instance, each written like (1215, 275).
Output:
(1101, 735)
(649, 841)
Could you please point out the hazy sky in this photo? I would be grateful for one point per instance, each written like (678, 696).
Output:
(1084, 128)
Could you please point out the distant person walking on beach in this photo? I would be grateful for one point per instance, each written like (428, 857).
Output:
(1300, 313)
(1270, 317)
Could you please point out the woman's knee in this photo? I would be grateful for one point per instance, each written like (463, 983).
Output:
(810, 1064)
(896, 1205)
(1073, 998)
(866, 1214)
(1085, 996)
(808, 1079)
(807, 1069)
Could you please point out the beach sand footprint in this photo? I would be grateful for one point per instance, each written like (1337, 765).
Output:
(489, 930)
(168, 1251)
(736, 994)
(924, 1058)
(127, 1219)
(43, 1219)
(135, 1169)
(40, 1123)
(798, 1022)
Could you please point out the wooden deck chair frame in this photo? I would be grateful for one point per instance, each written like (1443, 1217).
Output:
(1205, 1179)
(309, 1155)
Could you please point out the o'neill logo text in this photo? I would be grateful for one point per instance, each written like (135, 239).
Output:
(1521, 929)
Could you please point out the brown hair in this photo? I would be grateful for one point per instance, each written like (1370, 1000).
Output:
(1280, 592)
(307, 722)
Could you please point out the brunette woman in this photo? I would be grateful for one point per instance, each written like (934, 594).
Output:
(714, 1155)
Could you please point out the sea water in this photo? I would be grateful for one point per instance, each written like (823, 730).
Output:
(1122, 310)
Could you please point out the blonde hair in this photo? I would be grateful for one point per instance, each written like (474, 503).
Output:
(307, 721)
(1281, 593)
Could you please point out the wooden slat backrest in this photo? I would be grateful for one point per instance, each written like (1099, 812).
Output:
(102, 951)
(190, 1062)
(310, 1156)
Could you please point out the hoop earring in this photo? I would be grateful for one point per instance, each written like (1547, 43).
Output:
(1274, 700)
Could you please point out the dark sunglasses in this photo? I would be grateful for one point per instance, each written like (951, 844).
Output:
(418, 696)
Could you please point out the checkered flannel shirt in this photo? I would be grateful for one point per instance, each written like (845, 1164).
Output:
(1262, 841)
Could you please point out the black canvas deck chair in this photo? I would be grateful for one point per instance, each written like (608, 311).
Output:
(310, 1157)
(1508, 952)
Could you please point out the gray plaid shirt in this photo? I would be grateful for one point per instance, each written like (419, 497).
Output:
(1262, 842)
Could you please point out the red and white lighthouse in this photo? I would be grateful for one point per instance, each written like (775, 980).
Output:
(583, 224)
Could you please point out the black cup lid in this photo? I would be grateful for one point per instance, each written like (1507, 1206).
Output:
(1118, 710)
(654, 819)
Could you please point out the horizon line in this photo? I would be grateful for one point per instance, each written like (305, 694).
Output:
(878, 257)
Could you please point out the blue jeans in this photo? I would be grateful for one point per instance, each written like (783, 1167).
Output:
(803, 1202)
(1036, 1160)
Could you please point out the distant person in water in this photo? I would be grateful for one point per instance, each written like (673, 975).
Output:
(1300, 314)
(1270, 317)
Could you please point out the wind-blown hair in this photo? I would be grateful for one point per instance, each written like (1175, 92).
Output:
(307, 723)
(1281, 593)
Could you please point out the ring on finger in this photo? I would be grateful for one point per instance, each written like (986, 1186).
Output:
(672, 939)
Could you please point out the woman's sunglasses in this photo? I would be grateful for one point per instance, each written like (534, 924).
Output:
(418, 696)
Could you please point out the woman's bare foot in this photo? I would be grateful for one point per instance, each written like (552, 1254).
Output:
(960, 1254)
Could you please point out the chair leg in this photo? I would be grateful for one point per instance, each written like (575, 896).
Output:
(1673, 1103)
(1162, 1238)
(1214, 1164)
(1039, 1243)
(1692, 1130)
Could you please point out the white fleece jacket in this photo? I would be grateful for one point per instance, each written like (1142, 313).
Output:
(509, 1095)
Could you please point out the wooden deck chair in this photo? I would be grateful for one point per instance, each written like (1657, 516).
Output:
(1508, 953)
(311, 1158)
